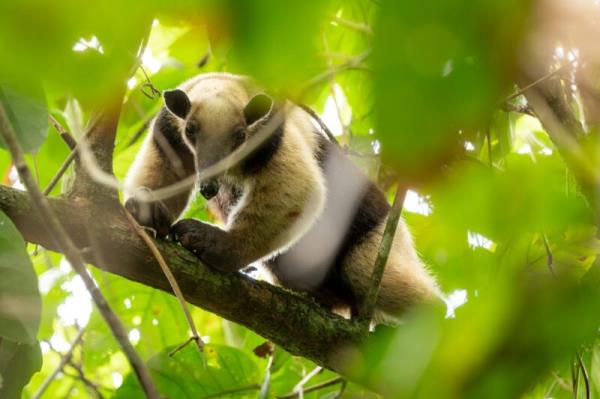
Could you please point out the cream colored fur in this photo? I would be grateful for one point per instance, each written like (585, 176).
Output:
(284, 200)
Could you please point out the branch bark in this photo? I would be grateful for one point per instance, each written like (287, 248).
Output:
(291, 320)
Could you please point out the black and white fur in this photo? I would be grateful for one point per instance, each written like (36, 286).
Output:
(296, 203)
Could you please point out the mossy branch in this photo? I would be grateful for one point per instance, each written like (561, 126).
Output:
(291, 320)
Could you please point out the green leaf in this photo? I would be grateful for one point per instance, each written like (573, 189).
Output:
(261, 27)
(18, 362)
(21, 305)
(184, 376)
(595, 370)
(280, 358)
(438, 75)
(27, 112)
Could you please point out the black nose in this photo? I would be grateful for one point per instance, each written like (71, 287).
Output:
(209, 188)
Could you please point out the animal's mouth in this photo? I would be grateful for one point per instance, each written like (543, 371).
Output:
(209, 188)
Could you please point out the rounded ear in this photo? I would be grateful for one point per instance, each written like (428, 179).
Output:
(177, 102)
(257, 107)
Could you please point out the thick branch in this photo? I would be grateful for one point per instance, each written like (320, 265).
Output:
(288, 319)
(102, 129)
(100, 139)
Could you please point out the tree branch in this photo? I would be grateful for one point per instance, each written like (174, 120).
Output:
(172, 281)
(291, 320)
(66, 358)
(99, 141)
(61, 239)
(313, 388)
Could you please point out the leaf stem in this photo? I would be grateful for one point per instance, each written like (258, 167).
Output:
(172, 281)
(64, 360)
(368, 306)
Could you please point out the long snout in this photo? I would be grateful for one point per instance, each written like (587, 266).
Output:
(208, 157)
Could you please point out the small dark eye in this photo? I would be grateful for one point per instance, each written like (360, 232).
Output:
(239, 136)
(191, 129)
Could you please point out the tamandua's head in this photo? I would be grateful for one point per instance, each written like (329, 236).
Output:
(215, 126)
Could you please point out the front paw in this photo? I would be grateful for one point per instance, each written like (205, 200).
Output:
(188, 232)
(151, 214)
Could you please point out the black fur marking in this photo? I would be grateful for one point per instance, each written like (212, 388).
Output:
(168, 140)
(371, 211)
(177, 102)
(260, 157)
(324, 148)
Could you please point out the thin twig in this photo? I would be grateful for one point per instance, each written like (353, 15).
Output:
(86, 381)
(356, 26)
(72, 144)
(322, 124)
(538, 81)
(141, 130)
(586, 376)
(561, 382)
(172, 281)
(63, 362)
(574, 378)
(548, 393)
(60, 172)
(227, 392)
(184, 344)
(368, 306)
(549, 256)
(354, 63)
(342, 389)
(315, 387)
(73, 254)
(264, 388)
(66, 136)
(518, 108)
(299, 388)
(359, 154)
(154, 92)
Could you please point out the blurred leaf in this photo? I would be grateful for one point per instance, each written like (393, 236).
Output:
(439, 73)
(5, 163)
(277, 41)
(27, 112)
(19, 295)
(18, 362)
(183, 375)
(48, 159)
(280, 359)
(156, 316)
(595, 370)
(80, 53)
